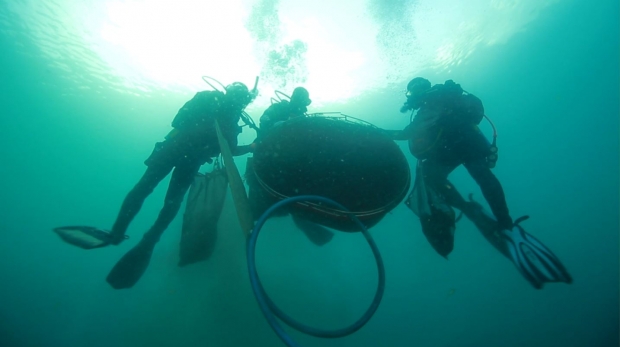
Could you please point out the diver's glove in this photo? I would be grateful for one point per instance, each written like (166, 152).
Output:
(405, 108)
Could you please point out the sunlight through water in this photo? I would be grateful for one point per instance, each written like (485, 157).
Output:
(339, 50)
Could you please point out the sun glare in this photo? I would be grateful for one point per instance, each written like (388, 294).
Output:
(338, 50)
(174, 43)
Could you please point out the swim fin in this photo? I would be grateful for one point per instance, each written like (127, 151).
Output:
(84, 236)
(316, 233)
(535, 261)
(130, 268)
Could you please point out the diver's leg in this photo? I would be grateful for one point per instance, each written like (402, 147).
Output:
(155, 172)
(436, 176)
(453, 197)
(130, 268)
(492, 190)
(181, 180)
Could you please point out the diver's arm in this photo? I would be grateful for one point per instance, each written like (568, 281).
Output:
(244, 149)
(396, 135)
(399, 135)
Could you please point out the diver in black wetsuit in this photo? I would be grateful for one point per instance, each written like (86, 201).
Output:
(191, 143)
(284, 110)
(443, 135)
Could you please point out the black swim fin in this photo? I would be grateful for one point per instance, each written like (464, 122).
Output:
(130, 268)
(85, 237)
(536, 263)
(317, 234)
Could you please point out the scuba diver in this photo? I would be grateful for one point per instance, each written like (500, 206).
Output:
(442, 135)
(284, 110)
(192, 143)
(278, 112)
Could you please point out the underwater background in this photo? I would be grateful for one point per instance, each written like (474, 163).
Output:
(75, 133)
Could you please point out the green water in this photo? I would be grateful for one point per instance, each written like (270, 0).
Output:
(71, 149)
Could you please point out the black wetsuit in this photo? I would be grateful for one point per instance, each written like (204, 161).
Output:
(444, 134)
(279, 112)
(192, 143)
